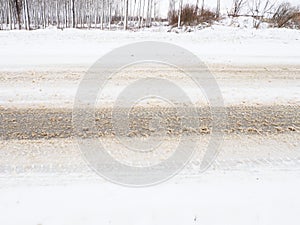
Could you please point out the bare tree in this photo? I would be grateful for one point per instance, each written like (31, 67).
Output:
(197, 7)
(26, 15)
(73, 14)
(102, 15)
(237, 7)
(18, 5)
(179, 13)
(259, 9)
(9, 13)
(139, 13)
(218, 8)
(35, 14)
(284, 14)
(126, 15)
(149, 13)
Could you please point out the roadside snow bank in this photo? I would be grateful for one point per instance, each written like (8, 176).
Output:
(73, 49)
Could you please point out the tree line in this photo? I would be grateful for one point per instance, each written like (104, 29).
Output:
(110, 14)
(35, 14)
(276, 14)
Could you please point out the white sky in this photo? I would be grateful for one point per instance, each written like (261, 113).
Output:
(225, 4)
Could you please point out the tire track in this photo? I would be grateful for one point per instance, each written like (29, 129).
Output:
(57, 123)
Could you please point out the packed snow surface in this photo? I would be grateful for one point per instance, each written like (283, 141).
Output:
(255, 179)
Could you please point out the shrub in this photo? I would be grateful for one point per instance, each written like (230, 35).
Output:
(296, 20)
(207, 16)
(173, 17)
(285, 15)
(190, 16)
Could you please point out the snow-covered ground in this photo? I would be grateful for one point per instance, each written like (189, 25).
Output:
(79, 49)
(215, 198)
(255, 179)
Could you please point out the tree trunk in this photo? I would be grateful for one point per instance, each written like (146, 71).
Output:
(9, 14)
(57, 14)
(218, 8)
(126, 15)
(27, 16)
(134, 10)
(18, 9)
(66, 14)
(44, 14)
(24, 16)
(179, 14)
(143, 13)
(102, 15)
(73, 14)
(197, 7)
(109, 22)
(148, 13)
(139, 13)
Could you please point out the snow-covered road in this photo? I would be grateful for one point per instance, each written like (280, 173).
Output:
(254, 180)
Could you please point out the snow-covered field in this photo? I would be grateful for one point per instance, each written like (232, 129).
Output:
(254, 180)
